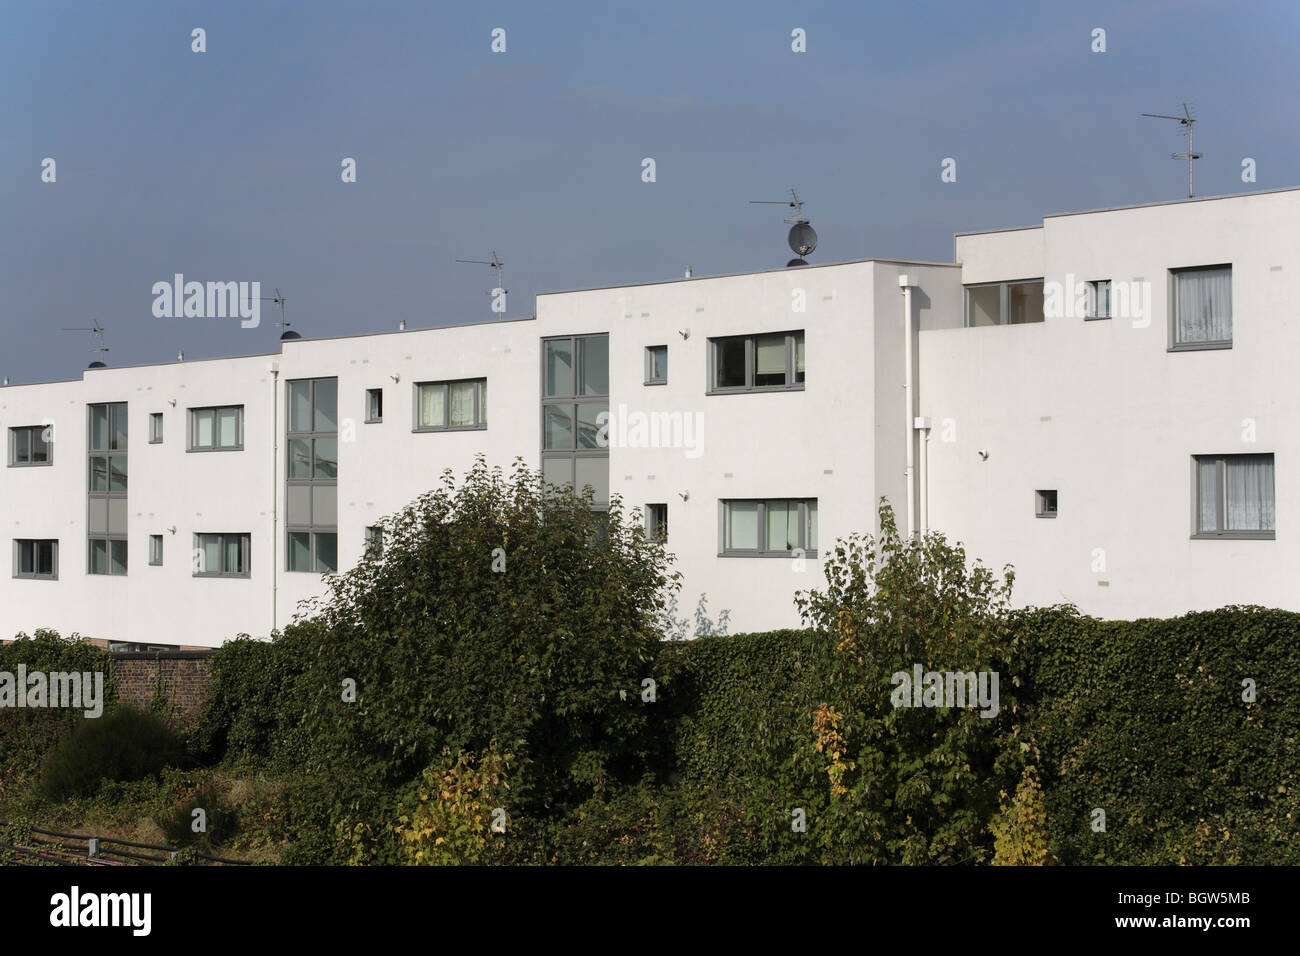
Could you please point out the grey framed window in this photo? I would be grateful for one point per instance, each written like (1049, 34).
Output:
(1004, 303)
(1201, 313)
(218, 428)
(155, 428)
(311, 484)
(107, 489)
(155, 549)
(1045, 503)
(36, 558)
(767, 527)
(575, 396)
(1098, 299)
(222, 555)
(451, 406)
(1234, 496)
(656, 521)
(656, 365)
(374, 405)
(374, 544)
(31, 445)
(770, 362)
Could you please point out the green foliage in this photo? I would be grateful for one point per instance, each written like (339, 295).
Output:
(28, 734)
(1146, 721)
(748, 733)
(445, 650)
(123, 745)
(911, 784)
(218, 824)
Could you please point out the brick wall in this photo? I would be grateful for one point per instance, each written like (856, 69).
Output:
(185, 679)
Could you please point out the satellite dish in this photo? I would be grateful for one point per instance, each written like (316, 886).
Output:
(796, 262)
(291, 334)
(96, 365)
(802, 238)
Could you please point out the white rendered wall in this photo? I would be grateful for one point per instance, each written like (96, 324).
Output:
(1105, 414)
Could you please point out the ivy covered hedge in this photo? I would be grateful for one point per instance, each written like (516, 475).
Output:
(1145, 720)
(28, 734)
(516, 706)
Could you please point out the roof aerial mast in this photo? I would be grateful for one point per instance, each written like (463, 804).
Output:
(802, 237)
(1191, 155)
(98, 331)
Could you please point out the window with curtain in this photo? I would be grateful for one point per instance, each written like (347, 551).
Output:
(441, 406)
(1202, 307)
(747, 363)
(1235, 496)
(769, 526)
(221, 555)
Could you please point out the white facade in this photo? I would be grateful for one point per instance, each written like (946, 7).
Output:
(1103, 412)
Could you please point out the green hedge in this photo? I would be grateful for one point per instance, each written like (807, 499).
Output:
(28, 734)
(1145, 720)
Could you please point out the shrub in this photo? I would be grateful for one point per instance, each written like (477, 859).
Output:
(909, 784)
(498, 609)
(123, 745)
(218, 824)
(28, 734)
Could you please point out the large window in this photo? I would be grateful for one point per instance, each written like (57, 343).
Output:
(217, 429)
(447, 406)
(1202, 308)
(106, 553)
(768, 526)
(36, 558)
(31, 445)
(1234, 496)
(575, 393)
(1004, 303)
(311, 488)
(755, 363)
(222, 555)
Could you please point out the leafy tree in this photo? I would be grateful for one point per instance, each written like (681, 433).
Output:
(499, 609)
(910, 784)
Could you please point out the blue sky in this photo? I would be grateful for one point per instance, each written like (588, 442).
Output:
(225, 165)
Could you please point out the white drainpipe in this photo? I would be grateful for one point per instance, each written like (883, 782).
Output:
(905, 283)
(923, 426)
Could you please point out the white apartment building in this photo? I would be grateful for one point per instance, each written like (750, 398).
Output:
(1105, 401)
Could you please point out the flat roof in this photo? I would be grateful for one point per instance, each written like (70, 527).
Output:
(752, 272)
(1140, 205)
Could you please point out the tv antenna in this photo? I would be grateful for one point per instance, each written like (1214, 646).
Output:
(496, 265)
(279, 301)
(95, 329)
(802, 238)
(1191, 155)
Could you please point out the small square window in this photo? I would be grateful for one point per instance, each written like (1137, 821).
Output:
(374, 405)
(1045, 503)
(656, 522)
(155, 428)
(36, 559)
(656, 365)
(31, 445)
(155, 549)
